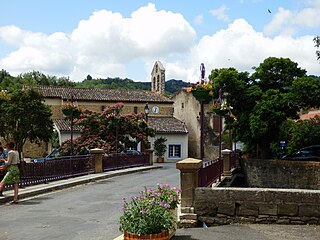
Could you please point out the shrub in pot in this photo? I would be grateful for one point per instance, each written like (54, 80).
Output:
(160, 148)
(150, 212)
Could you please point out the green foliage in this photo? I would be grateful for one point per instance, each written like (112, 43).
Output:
(25, 116)
(261, 103)
(299, 134)
(277, 73)
(160, 146)
(149, 212)
(173, 86)
(306, 92)
(113, 83)
(317, 45)
(109, 130)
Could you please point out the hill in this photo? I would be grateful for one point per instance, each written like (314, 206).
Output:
(171, 86)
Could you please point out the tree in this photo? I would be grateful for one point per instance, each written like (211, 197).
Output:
(109, 130)
(317, 45)
(24, 116)
(262, 102)
(298, 134)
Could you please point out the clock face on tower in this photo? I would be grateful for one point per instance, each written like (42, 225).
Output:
(155, 109)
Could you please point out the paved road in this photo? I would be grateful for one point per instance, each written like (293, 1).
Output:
(84, 212)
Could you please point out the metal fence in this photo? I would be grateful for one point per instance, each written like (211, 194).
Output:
(118, 161)
(210, 172)
(67, 167)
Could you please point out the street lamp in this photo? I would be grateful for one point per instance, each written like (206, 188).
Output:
(220, 123)
(146, 111)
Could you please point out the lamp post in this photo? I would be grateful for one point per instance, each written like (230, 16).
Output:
(202, 77)
(146, 111)
(220, 124)
(71, 127)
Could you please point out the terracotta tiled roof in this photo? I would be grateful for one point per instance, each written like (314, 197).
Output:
(97, 94)
(160, 124)
(167, 125)
(310, 115)
(65, 126)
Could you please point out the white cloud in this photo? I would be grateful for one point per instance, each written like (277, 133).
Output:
(220, 13)
(287, 22)
(241, 47)
(101, 45)
(106, 44)
(198, 19)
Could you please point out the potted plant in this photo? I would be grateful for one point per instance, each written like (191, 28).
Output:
(160, 148)
(202, 91)
(149, 215)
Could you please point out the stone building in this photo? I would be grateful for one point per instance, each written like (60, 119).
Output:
(158, 78)
(160, 115)
(187, 109)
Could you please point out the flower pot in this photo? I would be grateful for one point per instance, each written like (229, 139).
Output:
(221, 112)
(202, 95)
(160, 159)
(156, 236)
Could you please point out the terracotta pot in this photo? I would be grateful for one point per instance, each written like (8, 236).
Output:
(160, 160)
(157, 236)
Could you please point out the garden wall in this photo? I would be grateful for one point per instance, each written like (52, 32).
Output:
(218, 206)
(281, 174)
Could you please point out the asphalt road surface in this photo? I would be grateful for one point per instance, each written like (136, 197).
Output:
(84, 212)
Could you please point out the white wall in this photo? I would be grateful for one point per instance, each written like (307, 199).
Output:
(175, 139)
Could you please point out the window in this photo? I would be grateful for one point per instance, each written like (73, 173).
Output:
(182, 105)
(135, 109)
(174, 151)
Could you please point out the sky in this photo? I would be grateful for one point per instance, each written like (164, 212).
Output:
(124, 38)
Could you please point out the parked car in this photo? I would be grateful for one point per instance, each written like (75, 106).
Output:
(131, 152)
(310, 153)
(52, 156)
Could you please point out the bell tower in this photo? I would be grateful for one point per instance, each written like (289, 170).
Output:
(158, 78)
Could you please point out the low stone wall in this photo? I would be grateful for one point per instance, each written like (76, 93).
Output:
(281, 174)
(218, 206)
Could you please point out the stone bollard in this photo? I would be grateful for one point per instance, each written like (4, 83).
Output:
(189, 169)
(226, 153)
(150, 152)
(97, 156)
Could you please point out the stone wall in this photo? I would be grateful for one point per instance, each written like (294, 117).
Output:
(281, 174)
(218, 206)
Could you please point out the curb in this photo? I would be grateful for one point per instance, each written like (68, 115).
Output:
(42, 188)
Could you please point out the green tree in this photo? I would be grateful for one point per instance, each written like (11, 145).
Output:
(264, 101)
(298, 134)
(317, 45)
(24, 116)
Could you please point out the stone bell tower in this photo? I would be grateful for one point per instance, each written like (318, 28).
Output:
(158, 78)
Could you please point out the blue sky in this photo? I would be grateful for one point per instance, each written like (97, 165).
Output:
(124, 38)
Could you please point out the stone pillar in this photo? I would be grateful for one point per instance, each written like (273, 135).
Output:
(189, 169)
(150, 152)
(226, 153)
(97, 156)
